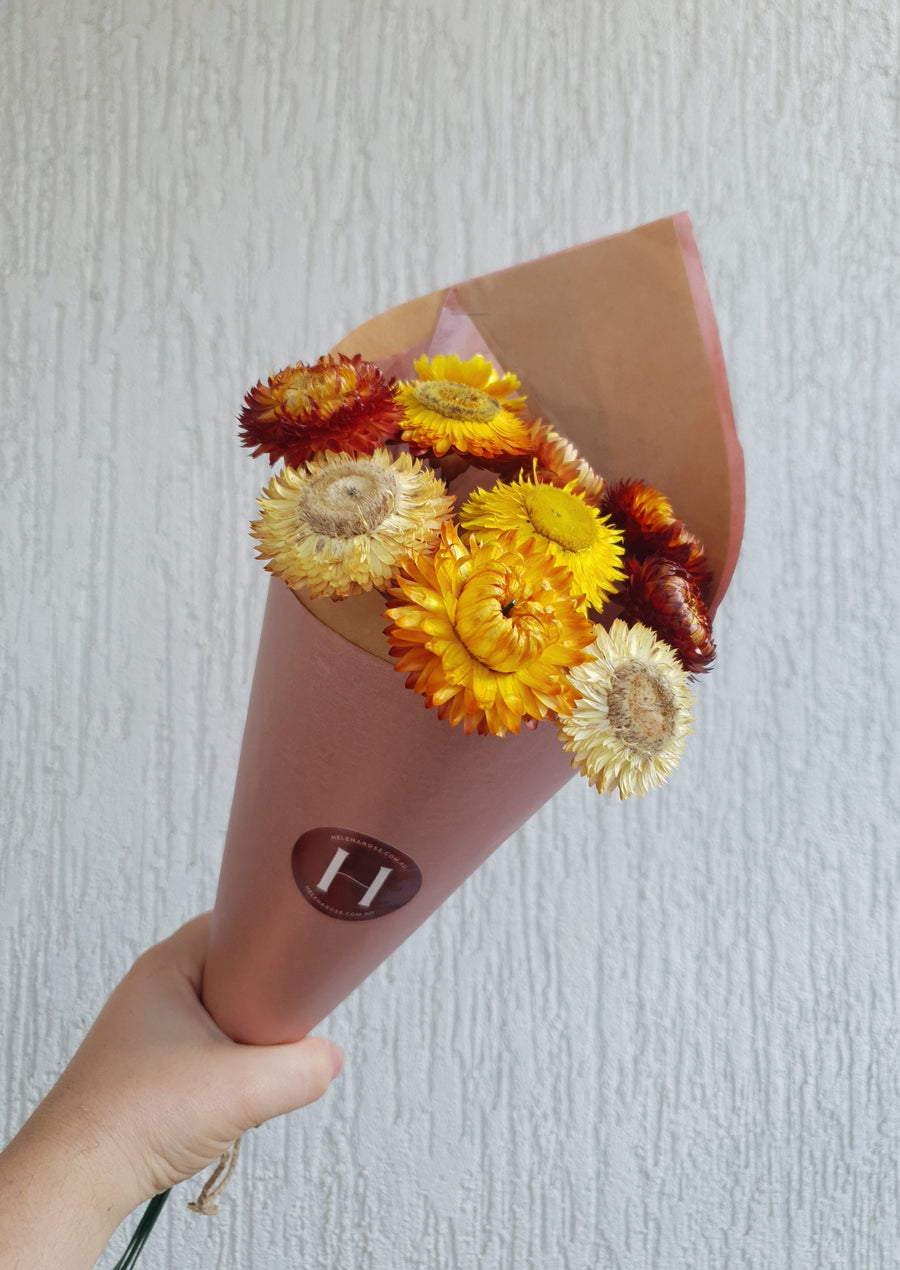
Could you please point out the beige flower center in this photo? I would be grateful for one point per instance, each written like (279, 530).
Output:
(560, 516)
(347, 501)
(641, 707)
(456, 401)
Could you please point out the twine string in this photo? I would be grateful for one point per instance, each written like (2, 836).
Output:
(205, 1203)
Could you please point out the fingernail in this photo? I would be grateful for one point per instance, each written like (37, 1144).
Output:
(337, 1060)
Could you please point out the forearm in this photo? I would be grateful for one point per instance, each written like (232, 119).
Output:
(61, 1192)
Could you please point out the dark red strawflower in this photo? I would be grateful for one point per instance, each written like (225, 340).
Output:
(338, 403)
(664, 596)
(651, 528)
(684, 548)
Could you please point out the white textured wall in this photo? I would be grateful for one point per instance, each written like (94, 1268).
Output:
(688, 1057)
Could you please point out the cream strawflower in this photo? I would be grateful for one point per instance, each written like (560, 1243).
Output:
(341, 524)
(628, 729)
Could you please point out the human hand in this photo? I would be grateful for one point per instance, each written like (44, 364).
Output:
(156, 1091)
(158, 1075)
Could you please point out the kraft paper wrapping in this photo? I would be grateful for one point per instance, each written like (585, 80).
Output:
(616, 346)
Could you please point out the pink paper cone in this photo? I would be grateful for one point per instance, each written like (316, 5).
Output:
(356, 810)
(333, 739)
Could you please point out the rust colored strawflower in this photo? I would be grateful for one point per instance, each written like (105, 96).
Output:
(339, 404)
(642, 513)
(628, 728)
(560, 523)
(650, 526)
(664, 596)
(463, 407)
(341, 524)
(559, 462)
(487, 633)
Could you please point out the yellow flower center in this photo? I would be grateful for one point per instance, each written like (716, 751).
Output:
(347, 501)
(455, 401)
(562, 517)
(499, 622)
(641, 707)
(296, 398)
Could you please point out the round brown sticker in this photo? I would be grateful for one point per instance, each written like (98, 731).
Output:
(352, 876)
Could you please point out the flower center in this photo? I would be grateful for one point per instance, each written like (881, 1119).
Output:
(560, 516)
(352, 500)
(456, 401)
(325, 390)
(641, 707)
(296, 398)
(499, 622)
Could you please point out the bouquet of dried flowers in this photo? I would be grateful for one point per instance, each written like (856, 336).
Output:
(468, 544)
(520, 586)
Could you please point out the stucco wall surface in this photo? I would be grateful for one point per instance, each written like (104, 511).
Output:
(674, 1044)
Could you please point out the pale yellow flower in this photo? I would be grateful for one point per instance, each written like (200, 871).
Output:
(340, 525)
(628, 728)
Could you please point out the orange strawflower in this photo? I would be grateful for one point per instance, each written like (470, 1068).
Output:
(487, 632)
(338, 403)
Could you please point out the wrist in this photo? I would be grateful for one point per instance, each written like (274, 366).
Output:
(65, 1187)
(95, 1143)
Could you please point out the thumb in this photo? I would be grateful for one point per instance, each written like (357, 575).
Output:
(275, 1079)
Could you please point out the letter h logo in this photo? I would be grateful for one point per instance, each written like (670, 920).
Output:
(370, 889)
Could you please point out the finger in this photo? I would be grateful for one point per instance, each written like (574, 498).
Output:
(275, 1079)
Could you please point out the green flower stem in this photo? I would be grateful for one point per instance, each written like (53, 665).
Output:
(142, 1233)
